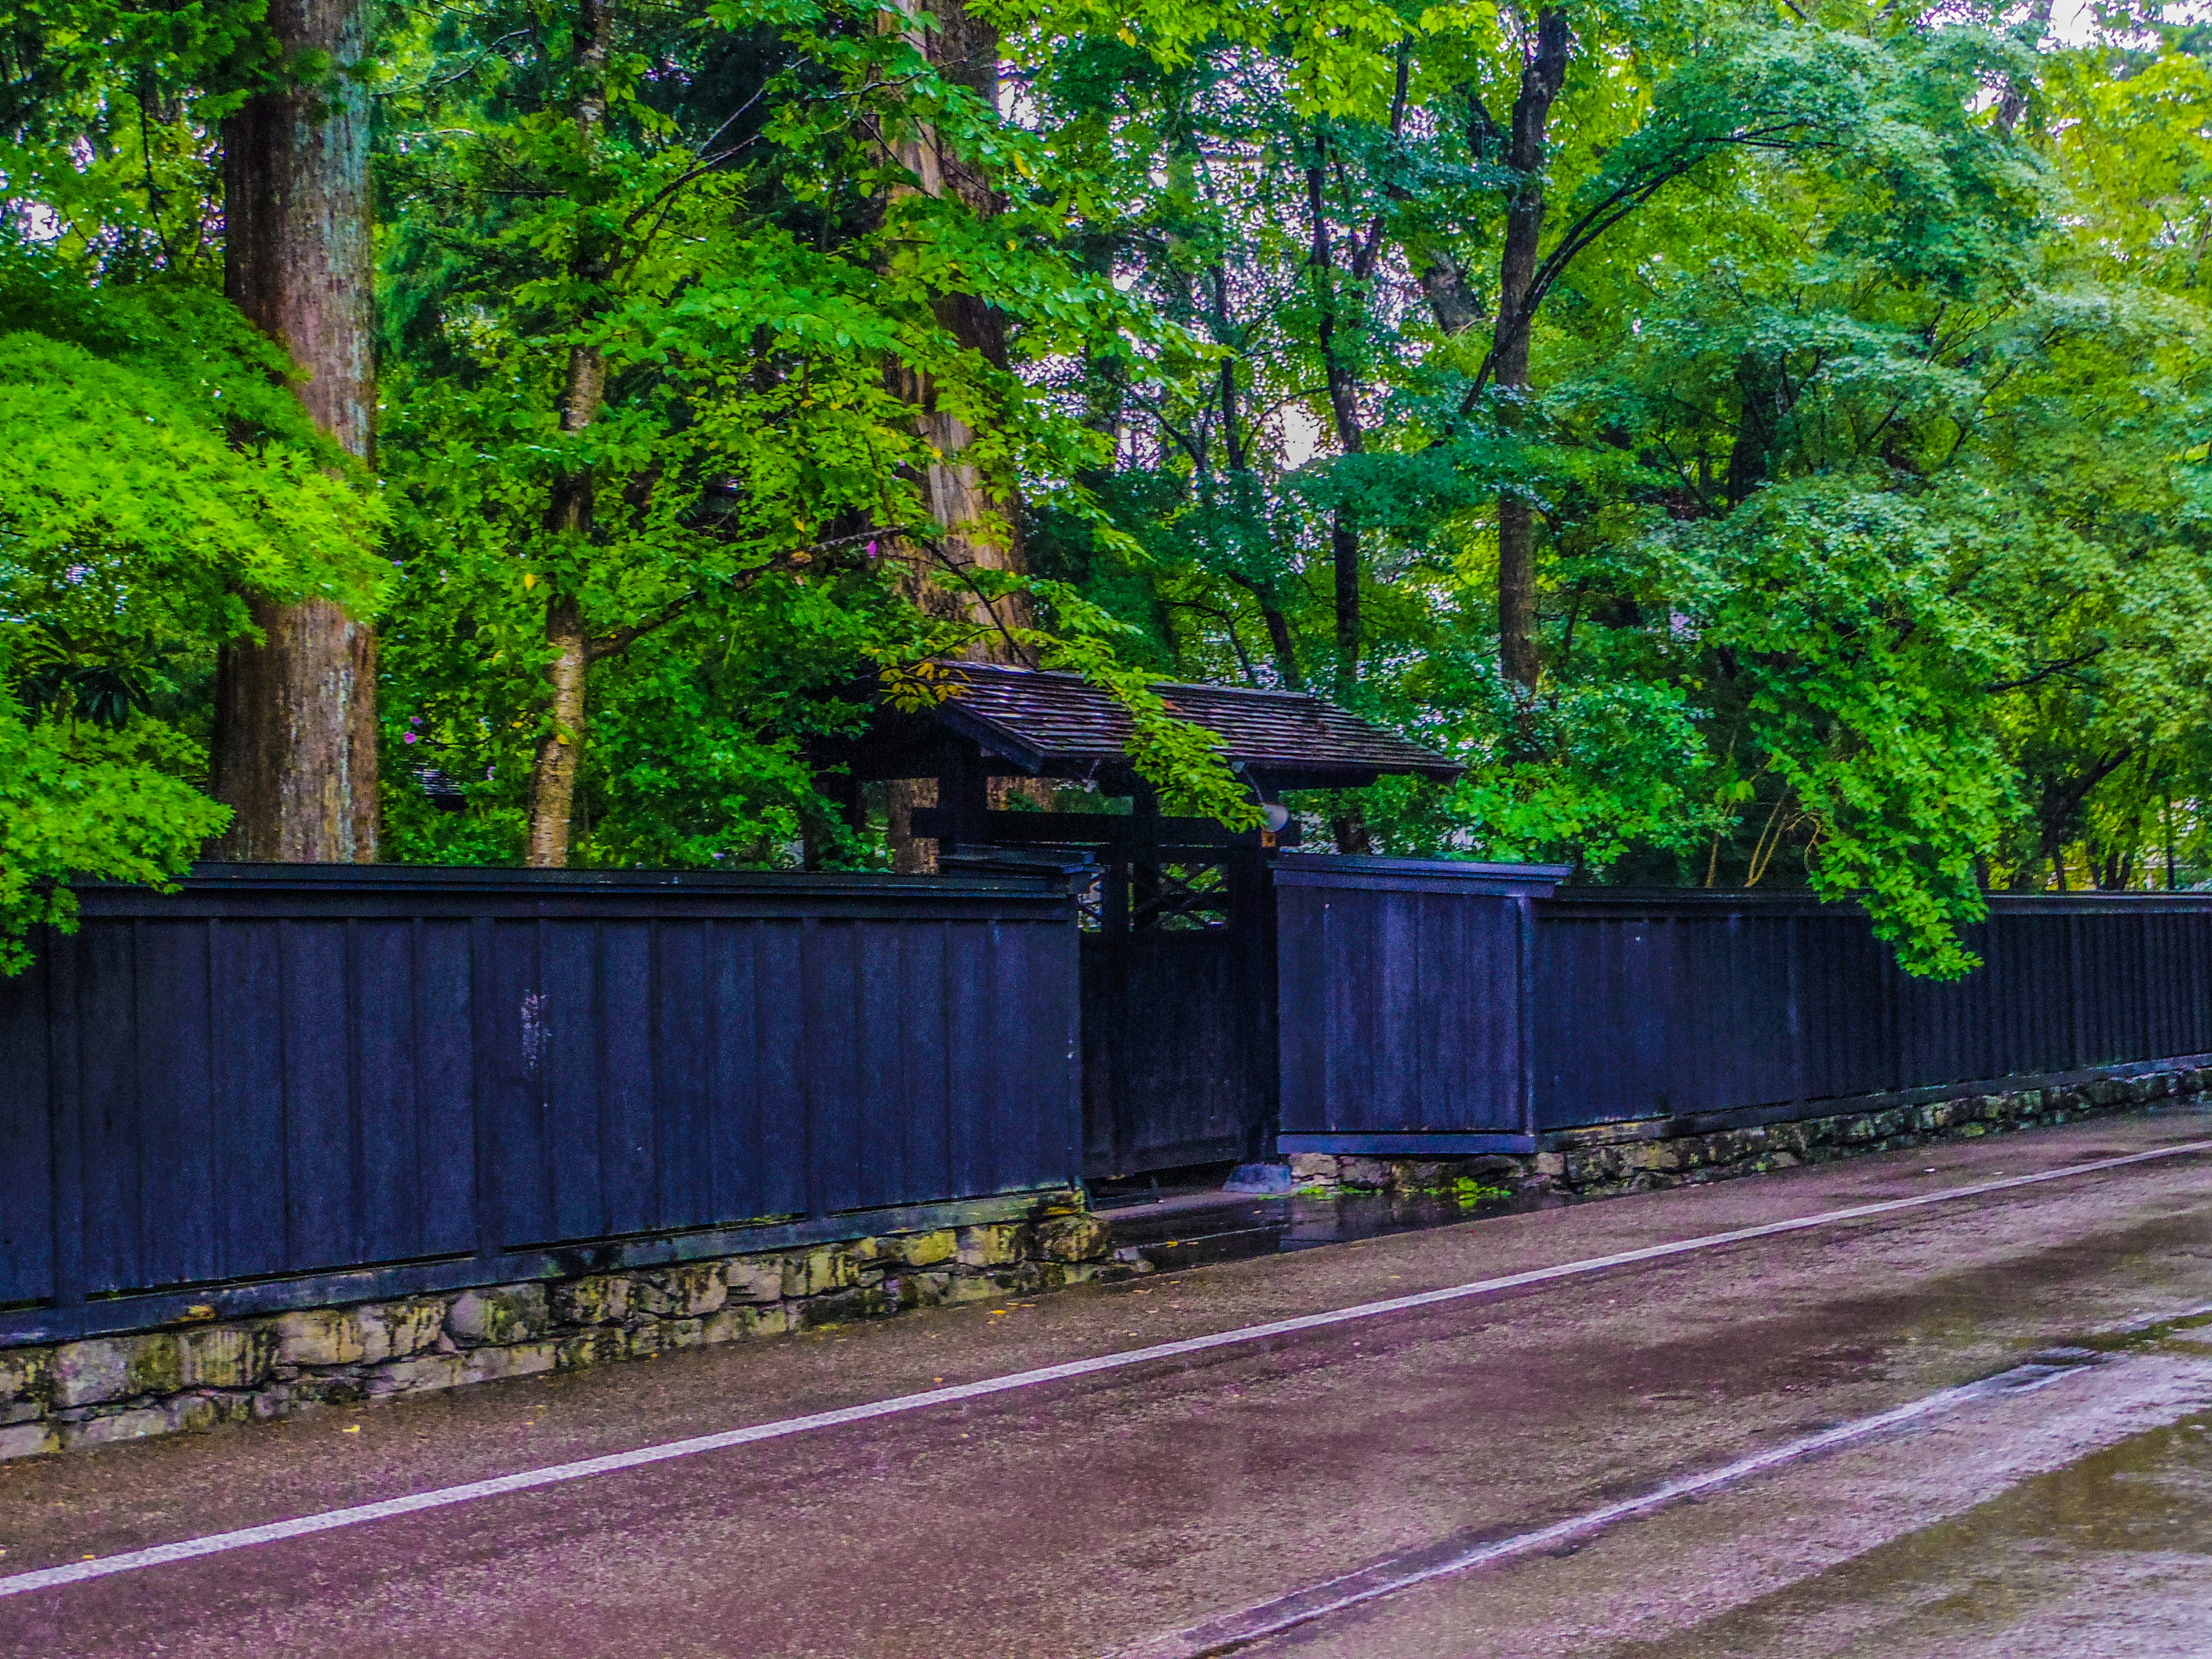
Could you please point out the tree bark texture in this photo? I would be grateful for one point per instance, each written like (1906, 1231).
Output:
(959, 498)
(295, 752)
(978, 529)
(560, 751)
(911, 854)
(1543, 73)
(568, 514)
(294, 746)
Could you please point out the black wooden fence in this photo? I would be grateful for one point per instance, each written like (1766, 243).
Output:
(1435, 1007)
(447, 1076)
(285, 1087)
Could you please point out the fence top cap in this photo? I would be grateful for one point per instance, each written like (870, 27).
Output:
(386, 890)
(1347, 869)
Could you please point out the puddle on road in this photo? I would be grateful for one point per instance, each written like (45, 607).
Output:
(2111, 1556)
(1240, 1228)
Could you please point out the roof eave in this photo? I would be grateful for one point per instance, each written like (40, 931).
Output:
(998, 740)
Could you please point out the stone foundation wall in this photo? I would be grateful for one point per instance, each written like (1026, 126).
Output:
(1631, 1157)
(195, 1376)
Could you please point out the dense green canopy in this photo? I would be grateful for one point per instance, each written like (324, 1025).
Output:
(1766, 443)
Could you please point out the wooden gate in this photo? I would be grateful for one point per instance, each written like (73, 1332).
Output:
(1178, 977)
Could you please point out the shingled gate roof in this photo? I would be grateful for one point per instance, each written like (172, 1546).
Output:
(1062, 725)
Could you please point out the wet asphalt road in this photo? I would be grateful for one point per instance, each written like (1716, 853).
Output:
(1088, 1517)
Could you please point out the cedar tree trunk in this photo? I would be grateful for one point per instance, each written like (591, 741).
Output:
(960, 499)
(295, 747)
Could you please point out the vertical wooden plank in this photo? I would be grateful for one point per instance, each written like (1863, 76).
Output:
(882, 1104)
(2156, 970)
(1065, 940)
(1005, 1138)
(1349, 1001)
(513, 1034)
(1520, 1038)
(575, 1134)
(246, 1028)
(170, 1023)
(1450, 1017)
(929, 952)
(1792, 936)
(1102, 956)
(2198, 1000)
(967, 1061)
(28, 1118)
(1300, 1036)
(1390, 1001)
(1549, 954)
(107, 1072)
(621, 1030)
(1037, 1045)
(1650, 1000)
(63, 956)
(321, 1217)
(683, 1126)
(387, 1048)
(786, 1127)
(446, 1081)
(733, 1051)
(832, 1076)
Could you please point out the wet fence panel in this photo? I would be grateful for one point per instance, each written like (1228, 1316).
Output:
(435, 1078)
(1775, 1001)
(1537, 1008)
(1402, 1017)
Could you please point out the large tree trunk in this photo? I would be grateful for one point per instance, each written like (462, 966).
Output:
(1544, 72)
(979, 528)
(560, 750)
(295, 747)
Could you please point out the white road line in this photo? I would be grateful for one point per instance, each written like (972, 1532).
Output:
(1230, 1632)
(443, 1497)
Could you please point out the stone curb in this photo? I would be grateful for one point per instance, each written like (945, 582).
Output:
(103, 1389)
(1597, 1163)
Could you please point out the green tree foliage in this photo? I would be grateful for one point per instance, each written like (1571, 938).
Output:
(736, 257)
(153, 466)
(1828, 382)
(154, 463)
(1862, 430)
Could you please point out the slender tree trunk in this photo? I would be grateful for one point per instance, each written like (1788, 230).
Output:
(1278, 640)
(1757, 387)
(1344, 415)
(294, 753)
(1542, 76)
(2012, 104)
(560, 750)
(1344, 559)
(553, 777)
